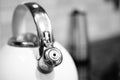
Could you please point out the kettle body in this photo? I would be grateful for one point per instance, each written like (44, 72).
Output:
(21, 64)
(32, 53)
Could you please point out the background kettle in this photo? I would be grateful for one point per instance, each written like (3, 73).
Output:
(32, 53)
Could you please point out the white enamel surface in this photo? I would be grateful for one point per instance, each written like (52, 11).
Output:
(21, 64)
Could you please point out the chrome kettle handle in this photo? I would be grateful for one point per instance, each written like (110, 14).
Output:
(41, 36)
(24, 38)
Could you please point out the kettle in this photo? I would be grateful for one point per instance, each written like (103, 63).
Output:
(32, 52)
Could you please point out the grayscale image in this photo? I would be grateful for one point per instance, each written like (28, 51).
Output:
(59, 39)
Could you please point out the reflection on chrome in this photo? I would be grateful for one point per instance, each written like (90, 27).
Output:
(41, 37)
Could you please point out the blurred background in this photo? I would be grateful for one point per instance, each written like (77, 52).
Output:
(88, 29)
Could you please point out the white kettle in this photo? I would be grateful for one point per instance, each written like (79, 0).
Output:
(32, 53)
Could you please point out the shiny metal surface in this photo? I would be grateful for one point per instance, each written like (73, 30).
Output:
(40, 36)
(24, 38)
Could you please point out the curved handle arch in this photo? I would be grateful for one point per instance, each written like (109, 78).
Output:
(42, 33)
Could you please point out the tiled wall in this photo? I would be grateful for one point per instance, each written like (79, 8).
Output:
(103, 21)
